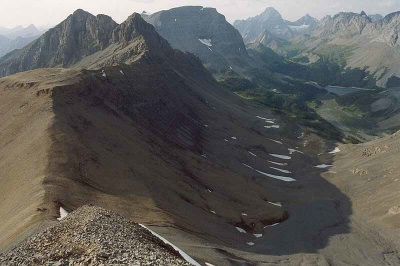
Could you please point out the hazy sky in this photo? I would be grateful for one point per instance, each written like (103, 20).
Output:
(51, 12)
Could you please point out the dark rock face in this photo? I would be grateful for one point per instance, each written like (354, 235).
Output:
(202, 31)
(80, 35)
(135, 27)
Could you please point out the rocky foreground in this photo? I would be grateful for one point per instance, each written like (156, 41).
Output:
(93, 236)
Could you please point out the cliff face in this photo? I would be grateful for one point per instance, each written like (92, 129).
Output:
(80, 35)
(203, 32)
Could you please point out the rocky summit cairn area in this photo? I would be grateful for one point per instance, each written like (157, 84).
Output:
(93, 236)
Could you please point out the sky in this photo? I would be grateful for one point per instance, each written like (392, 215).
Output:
(51, 12)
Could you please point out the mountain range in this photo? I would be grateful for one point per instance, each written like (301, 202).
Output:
(20, 31)
(17, 38)
(271, 20)
(173, 121)
(355, 41)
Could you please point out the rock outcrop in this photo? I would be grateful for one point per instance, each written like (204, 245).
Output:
(93, 236)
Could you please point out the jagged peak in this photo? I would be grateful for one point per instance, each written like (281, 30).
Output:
(31, 26)
(133, 27)
(390, 16)
(270, 13)
(306, 19)
(134, 17)
(103, 16)
(81, 13)
(271, 9)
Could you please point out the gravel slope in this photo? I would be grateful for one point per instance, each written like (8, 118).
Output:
(93, 236)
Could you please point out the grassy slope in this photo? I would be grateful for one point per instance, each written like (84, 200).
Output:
(25, 143)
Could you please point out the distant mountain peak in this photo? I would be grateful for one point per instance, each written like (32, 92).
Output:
(134, 26)
(271, 10)
(363, 14)
(81, 12)
(306, 20)
(270, 13)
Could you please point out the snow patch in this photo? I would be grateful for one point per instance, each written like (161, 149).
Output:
(252, 154)
(209, 264)
(233, 138)
(181, 252)
(276, 141)
(323, 166)
(213, 212)
(241, 230)
(250, 243)
(271, 225)
(244, 214)
(299, 28)
(275, 203)
(103, 73)
(284, 157)
(258, 235)
(281, 170)
(268, 120)
(248, 166)
(282, 178)
(281, 164)
(336, 150)
(274, 126)
(122, 72)
(63, 214)
(291, 151)
(206, 42)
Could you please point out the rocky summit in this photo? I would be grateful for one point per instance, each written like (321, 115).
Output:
(93, 236)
